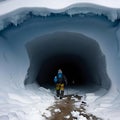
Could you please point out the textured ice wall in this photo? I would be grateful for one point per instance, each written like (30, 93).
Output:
(98, 23)
(52, 50)
(19, 14)
(91, 21)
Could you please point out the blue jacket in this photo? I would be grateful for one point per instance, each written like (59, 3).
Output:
(61, 78)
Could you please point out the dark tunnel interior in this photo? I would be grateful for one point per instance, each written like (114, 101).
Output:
(73, 67)
(79, 57)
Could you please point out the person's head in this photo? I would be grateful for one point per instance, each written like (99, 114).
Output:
(59, 71)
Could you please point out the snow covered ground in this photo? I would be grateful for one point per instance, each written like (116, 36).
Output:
(25, 104)
(20, 103)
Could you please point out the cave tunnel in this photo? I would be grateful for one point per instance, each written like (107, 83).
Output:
(79, 57)
(72, 66)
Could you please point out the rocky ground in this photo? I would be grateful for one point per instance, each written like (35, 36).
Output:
(71, 107)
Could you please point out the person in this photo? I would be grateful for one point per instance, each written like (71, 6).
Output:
(60, 81)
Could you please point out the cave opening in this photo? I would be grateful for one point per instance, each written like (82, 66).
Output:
(79, 57)
(73, 67)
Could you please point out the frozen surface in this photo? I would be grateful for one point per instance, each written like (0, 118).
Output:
(26, 104)
(77, 115)
(28, 22)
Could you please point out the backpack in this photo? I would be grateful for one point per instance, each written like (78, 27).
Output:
(60, 77)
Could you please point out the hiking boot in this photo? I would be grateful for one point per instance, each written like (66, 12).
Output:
(60, 97)
(57, 95)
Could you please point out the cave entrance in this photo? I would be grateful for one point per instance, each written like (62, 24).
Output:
(80, 58)
(73, 67)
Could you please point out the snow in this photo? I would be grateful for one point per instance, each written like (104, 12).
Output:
(57, 110)
(77, 115)
(46, 114)
(91, 97)
(75, 99)
(67, 117)
(18, 102)
(77, 104)
(28, 105)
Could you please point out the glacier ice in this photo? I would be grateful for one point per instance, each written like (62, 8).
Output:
(20, 27)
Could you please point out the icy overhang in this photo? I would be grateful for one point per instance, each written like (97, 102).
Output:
(15, 12)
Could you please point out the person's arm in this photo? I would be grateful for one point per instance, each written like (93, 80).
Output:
(55, 79)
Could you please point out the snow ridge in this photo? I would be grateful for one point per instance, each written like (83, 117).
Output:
(19, 15)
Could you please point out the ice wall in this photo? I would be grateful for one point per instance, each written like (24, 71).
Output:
(23, 25)
(19, 13)
(57, 48)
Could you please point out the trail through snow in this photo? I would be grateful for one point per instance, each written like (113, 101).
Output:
(70, 107)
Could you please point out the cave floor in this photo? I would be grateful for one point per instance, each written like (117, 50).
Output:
(70, 107)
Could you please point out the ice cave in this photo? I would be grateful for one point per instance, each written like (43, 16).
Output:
(35, 41)
(78, 56)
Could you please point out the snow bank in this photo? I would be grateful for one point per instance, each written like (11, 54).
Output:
(26, 104)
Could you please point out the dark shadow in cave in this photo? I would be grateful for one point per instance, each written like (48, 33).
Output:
(73, 67)
(80, 58)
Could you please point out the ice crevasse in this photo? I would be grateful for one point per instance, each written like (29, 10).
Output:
(36, 38)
